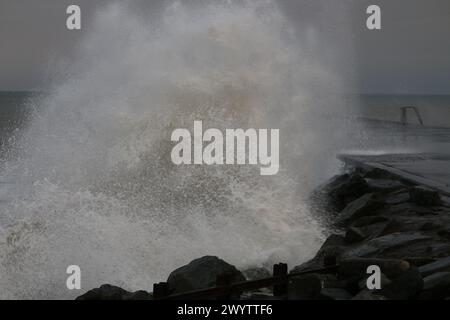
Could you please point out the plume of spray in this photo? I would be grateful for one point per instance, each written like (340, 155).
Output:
(94, 185)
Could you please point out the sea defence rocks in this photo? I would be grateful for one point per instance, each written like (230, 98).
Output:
(377, 220)
(399, 227)
(202, 273)
(198, 274)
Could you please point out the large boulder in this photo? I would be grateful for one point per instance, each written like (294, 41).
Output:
(424, 196)
(346, 188)
(437, 266)
(201, 273)
(406, 286)
(366, 205)
(436, 286)
(327, 255)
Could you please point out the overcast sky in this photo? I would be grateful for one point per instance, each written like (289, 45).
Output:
(411, 54)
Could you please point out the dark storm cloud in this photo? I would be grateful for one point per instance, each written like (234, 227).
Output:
(411, 54)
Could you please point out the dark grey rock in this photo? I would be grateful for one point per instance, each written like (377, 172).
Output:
(358, 267)
(419, 261)
(434, 267)
(368, 295)
(354, 235)
(424, 196)
(201, 273)
(404, 224)
(397, 197)
(383, 185)
(364, 206)
(439, 250)
(109, 292)
(368, 220)
(347, 188)
(327, 255)
(397, 245)
(436, 286)
(334, 294)
(406, 286)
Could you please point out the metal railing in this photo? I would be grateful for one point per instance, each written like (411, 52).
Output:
(404, 115)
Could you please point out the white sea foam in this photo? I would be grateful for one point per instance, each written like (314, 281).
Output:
(93, 181)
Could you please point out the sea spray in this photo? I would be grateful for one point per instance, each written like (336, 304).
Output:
(93, 184)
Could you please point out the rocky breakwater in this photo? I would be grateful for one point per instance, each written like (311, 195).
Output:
(380, 220)
(375, 219)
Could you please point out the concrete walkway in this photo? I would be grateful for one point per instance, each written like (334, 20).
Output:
(430, 169)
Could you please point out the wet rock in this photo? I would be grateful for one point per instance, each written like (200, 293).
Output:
(109, 292)
(404, 224)
(327, 255)
(408, 210)
(358, 267)
(424, 196)
(368, 220)
(383, 185)
(347, 188)
(392, 246)
(368, 295)
(406, 286)
(201, 273)
(334, 294)
(434, 267)
(397, 197)
(438, 250)
(444, 230)
(256, 273)
(363, 206)
(354, 235)
(436, 286)
(419, 261)
(374, 230)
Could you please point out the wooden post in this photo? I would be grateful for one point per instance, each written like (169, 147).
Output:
(280, 270)
(329, 260)
(160, 290)
(222, 280)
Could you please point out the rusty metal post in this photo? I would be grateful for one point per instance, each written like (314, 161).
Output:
(280, 270)
(160, 290)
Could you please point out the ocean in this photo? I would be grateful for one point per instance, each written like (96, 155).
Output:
(434, 109)
(85, 171)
